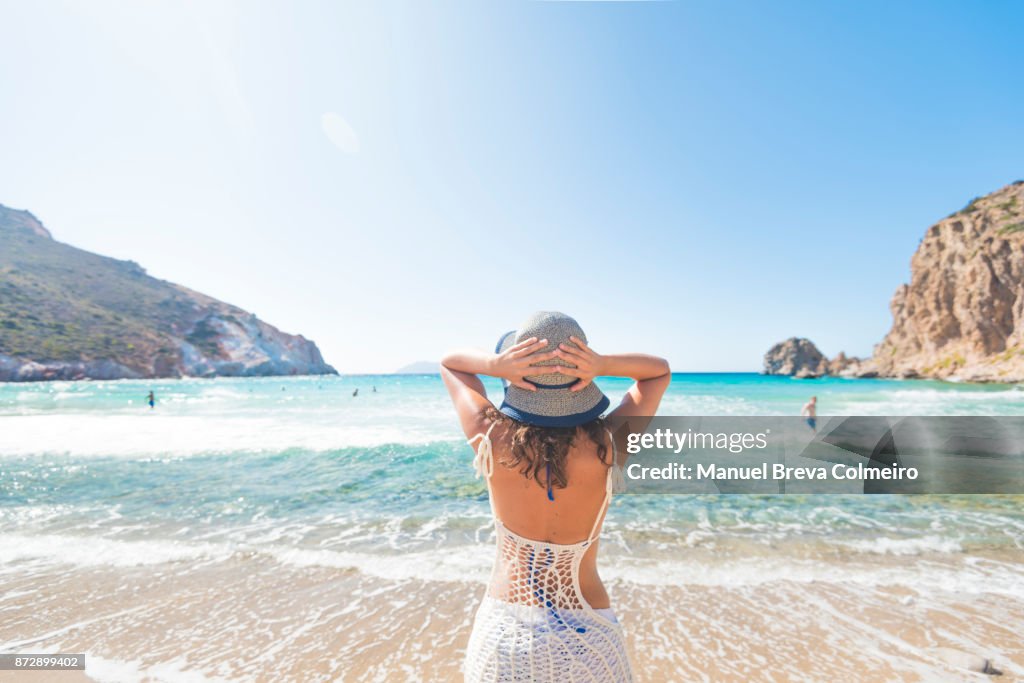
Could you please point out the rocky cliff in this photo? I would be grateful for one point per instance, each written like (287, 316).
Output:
(962, 314)
(66, 313)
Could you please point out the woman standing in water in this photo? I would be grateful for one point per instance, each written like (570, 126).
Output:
(550, 464)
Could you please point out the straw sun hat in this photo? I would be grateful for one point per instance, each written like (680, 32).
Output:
(553, 404)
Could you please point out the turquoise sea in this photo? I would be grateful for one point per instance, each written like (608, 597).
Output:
(299, 473)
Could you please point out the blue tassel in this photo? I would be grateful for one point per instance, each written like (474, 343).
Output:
(551, 494)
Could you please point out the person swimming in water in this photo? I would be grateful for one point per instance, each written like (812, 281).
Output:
(151, 399)
(810, 411)
(356, 392)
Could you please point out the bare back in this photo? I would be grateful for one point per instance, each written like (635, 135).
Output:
(523, 507)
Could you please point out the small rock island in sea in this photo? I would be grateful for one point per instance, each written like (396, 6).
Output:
(962, 314)
(66, 313)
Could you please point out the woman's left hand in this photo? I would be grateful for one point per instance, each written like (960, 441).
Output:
(587, 361)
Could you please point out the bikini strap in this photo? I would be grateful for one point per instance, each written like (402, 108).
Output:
(614, 474)
(483, 461)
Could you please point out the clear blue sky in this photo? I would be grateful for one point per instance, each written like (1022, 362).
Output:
(694, 179)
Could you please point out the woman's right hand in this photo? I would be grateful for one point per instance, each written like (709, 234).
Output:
(516, 362)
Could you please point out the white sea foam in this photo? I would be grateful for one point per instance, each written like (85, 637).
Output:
(923, 576)
(175, 435)
(460, 563)
(712, 404)
(88, 551)
(928, 401)
(904, 546)
(105, 670)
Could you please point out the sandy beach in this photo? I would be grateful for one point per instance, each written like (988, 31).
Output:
(249, 618)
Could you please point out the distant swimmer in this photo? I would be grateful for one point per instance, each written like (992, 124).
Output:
(810, 411)
(151, 399)
(375, 390)
(356, 392)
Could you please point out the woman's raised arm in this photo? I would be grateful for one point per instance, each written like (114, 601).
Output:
(459, 370)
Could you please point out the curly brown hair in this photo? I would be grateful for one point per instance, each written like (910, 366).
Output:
(535, 449)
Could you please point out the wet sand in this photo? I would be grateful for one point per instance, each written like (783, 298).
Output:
(249, 618)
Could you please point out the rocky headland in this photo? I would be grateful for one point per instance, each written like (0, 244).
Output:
(66, 313)
(797, 357)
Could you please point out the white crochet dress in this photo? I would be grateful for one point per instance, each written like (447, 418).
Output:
(534, 623)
